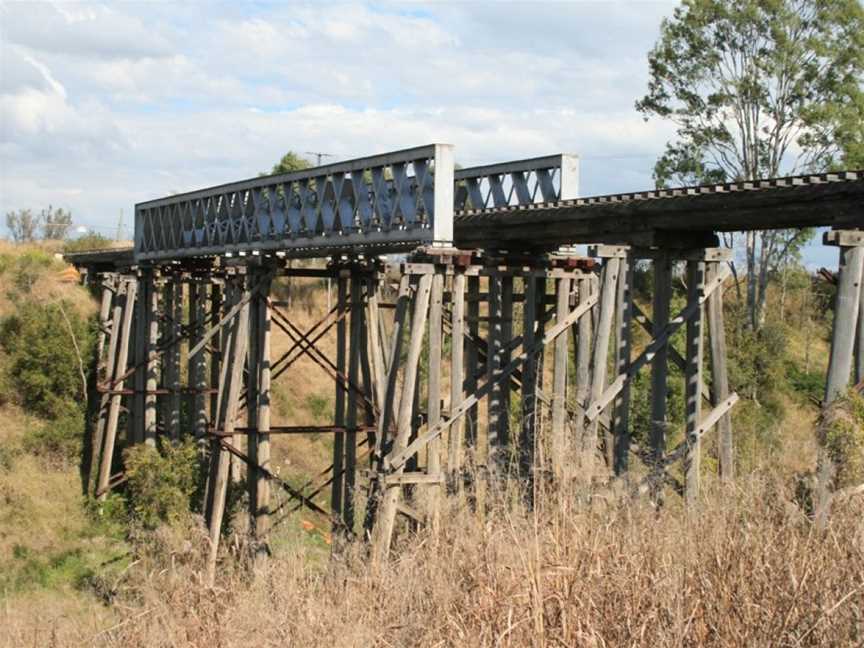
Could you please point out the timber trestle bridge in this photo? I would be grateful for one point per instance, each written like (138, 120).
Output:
(455, 292)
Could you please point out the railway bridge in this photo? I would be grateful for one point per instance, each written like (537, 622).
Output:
(475, 343)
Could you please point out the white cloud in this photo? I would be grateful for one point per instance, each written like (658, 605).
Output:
(102, 107)
(82, 30)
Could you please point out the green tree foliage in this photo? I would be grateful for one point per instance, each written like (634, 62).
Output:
(22, 225)
(60, 438)
(20, 271)
(89, 241)
(841, 432)
(291, 161)
(757, 88)
(55, 223)
(161, 482)
(41, 362)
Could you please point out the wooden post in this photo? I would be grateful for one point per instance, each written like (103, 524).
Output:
(140, 351)
(385, 419)
(859, 352)
(128, 290)
(846, 312)
(258, 407)
(457, 377)
(367, 370)
(376, 353)
(351, 418)
(171, 357)
(178, 349)
(472, 358)
(659, 365)
(383, 531)
(337, 490)
(215, 346)
(241, 289)
(496, 435)
(559, 458)
(116, 294)
(229, 404)
(623, 336)
(600, 355)
(528, 436)
(227, 336)
(151, 334)
(109, 283)
(583, 357)
(541, 318)
(197, 363)
(693, 381)
(504, 360)
(436, 326)
(847, 308)
(719, 377)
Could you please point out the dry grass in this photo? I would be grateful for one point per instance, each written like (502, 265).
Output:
(744, 568)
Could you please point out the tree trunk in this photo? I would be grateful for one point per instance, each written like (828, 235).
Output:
(751, 279)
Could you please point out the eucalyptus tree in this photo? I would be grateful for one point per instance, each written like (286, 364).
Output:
(759, 88)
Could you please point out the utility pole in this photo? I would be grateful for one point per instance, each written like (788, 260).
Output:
(120, 225)
(319, 156)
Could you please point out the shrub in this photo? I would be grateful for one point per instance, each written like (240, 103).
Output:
(59, 438)
(162, 482)
(8, 454)
(319, 406)
(30, 569)
(841, 431)
(42, 364)
(756, 360)
(90, 241)
(810, 385)
(28, 267)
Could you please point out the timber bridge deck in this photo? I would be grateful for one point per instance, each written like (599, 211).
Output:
(485, 262)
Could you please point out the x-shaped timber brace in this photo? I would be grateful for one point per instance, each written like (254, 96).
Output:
(201, 335)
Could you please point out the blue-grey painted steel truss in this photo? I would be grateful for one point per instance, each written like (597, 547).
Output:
(524, 182)
(387, 201)
(376, 205)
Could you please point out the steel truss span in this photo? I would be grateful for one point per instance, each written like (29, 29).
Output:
(378, 205)
(392, 200)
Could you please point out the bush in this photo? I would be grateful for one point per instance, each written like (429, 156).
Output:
(161, 483)
(90, 241)
(30, 569)
(8, 454)
(26, 268)
(810, 385)
(756, 361)
(841, 432)
(319, 406)
(60, 438)
(42, 364)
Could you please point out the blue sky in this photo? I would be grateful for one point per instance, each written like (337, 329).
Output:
(105, 105)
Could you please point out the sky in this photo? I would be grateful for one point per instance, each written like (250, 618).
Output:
(106, 105)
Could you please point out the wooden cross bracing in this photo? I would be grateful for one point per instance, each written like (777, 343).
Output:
(413, 375)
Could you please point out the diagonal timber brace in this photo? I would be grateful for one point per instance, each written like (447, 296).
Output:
(397, 459)
(674, 355)
(594, 409)
(681, 450)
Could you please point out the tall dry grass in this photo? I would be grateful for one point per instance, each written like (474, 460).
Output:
(744, 568)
